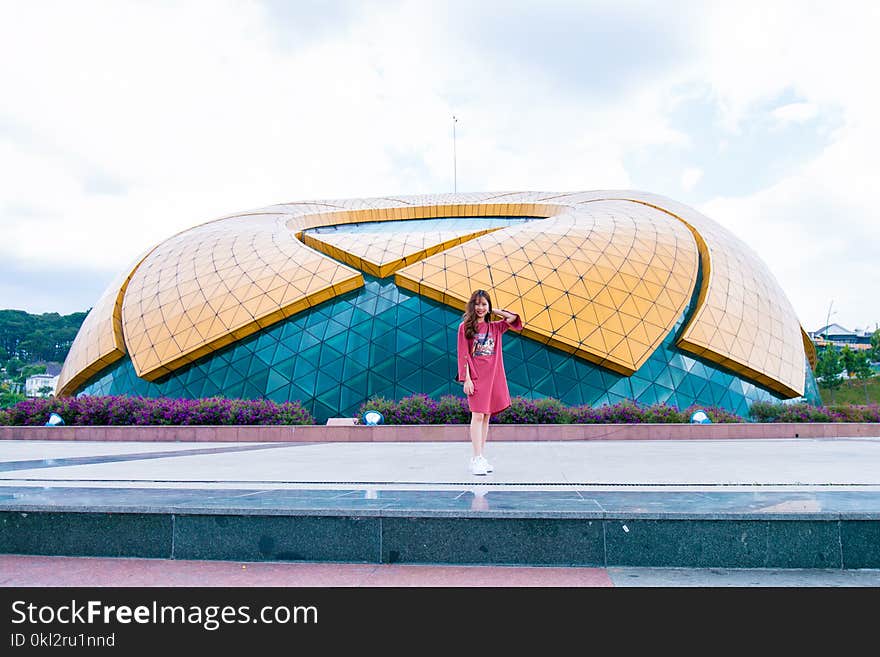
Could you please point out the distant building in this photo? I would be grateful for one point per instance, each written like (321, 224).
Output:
(38, 382)
(838, 336)
(52, 369)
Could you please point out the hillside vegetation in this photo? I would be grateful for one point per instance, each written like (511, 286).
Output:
(853, 392)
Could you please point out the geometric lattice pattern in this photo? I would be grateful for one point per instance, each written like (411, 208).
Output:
(99, 341)
(213, 285)
(219, 282)
(743, 319)
(380, 248)
(384, 340)
(606, 284)
(603, 276)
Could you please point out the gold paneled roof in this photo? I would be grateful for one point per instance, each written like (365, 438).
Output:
(743, 320)
(381, 253)
(604, 275)
(99, 341)
(606, 283)
(218, 283)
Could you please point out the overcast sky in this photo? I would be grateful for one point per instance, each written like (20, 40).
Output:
(122, 123)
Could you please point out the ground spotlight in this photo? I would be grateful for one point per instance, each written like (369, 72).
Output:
(373, 417)
(55, 420)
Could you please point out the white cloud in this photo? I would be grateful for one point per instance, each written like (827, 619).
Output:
(816, 227)
(795, 112)
(126, 122)
(690, 177)
(192, 111)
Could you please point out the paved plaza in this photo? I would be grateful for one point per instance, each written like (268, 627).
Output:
(747, 480)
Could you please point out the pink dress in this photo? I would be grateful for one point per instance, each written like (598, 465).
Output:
(485, 363)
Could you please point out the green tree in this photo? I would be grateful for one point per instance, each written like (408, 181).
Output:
(13, 367)
(848, 359)
(31, 338)
(829, 368)
(7, 397)
(875, 345)
(862, 370)
(15, 325)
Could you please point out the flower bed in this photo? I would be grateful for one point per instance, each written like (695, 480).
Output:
(765, 412)
(421, 409)
(416, 409)
(121, 410)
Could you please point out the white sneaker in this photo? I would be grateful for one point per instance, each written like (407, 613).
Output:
(478, 466)
(487, 465)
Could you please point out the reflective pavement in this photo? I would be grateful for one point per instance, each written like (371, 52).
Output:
(820, 479)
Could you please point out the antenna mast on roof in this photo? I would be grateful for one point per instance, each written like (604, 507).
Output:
(828, 318)
(454, 157)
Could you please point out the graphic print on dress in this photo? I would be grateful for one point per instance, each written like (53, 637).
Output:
(485, 344)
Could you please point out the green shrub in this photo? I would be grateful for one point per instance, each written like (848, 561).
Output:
(452, 410)
(856, 412)
(386, 407)
(121, 410)
(800, 412)
(765, 411)
(416, 409)
(663, 414)
(520, 411)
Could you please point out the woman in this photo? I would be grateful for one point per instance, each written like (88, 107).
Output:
(481, 368)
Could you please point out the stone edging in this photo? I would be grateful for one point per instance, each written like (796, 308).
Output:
(443, 433)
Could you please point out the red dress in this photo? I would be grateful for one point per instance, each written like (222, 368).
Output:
(486, 365)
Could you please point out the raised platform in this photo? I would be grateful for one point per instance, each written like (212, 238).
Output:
(740, 503)
(350, 433)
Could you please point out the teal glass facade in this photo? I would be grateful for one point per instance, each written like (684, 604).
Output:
(384, 340)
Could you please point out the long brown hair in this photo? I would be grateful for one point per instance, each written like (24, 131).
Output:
(470, 319)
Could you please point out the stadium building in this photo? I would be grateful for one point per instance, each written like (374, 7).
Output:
(624, 295)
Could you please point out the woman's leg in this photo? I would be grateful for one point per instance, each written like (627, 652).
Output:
(484, 432)
(477, 432)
